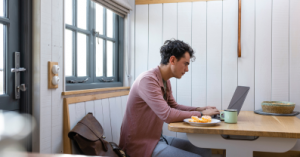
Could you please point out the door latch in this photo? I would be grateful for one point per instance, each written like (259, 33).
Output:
(17, 71)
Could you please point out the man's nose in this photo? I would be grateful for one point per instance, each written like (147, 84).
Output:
(187, 69)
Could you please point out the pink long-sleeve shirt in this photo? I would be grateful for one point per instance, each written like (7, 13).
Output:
(146, 112)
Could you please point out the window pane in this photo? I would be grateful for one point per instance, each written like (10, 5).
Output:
(81, 13)
(109, 23)
(109, 58)
(69, 53)
(99, 57)
(81, 54)
(99, 18)
(1, 7)
(69, 12)
(1, 60)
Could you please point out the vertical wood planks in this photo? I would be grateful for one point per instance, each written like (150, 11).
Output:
(80, 111)
(214, 53)
(246, 62)
(229, 51)
(72, 114)
(99, 112)
(184, 84)
(116, 117)
(263, 52)
(141, 42)
(170, 31)
(106, 120)
(198, 67)
(294, 57)
(280, 51)
(124, 104)
(295, 53)
(155, 35)
(89, 107)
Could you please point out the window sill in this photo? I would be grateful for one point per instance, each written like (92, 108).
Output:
(74, 92)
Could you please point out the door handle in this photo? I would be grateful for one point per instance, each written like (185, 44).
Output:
(17, 69)
(18, 87)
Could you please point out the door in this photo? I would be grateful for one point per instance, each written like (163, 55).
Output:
(10, 38)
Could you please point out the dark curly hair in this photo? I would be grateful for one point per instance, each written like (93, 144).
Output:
(175, 48)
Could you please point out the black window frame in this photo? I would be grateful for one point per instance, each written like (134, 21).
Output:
(92, 38)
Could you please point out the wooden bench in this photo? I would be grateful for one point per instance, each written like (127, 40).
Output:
(108, 109)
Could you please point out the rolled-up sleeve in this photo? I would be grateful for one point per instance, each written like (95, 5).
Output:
(150, 92)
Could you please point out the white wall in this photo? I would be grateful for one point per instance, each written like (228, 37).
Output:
(270, 49)
(48, 44)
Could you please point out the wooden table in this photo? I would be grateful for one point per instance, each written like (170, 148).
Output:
(276, 134)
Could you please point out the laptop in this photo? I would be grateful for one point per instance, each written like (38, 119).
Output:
(237, 100)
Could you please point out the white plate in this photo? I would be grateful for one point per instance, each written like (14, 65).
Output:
(213, 122)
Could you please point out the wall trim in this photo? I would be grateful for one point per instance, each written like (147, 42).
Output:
(93, 90)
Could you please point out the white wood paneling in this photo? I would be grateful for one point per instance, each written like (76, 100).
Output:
(294, 57)
(106, 120)
(184, 85)
(280, 51)
(246, 62)
(80, 111)
(132, 42)
(116, 117)
(170, 32)
(155, 35)
(295, 53)
(214, 53)
(89, 107)
(141, 39)
(72, 114)
(263, 52)
(198, 67)
(99, 112)
(229, 51)
(124, 104)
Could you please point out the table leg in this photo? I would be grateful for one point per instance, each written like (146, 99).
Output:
(245, 148)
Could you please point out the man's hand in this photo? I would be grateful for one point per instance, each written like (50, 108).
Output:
(210, 112)
(210, 107)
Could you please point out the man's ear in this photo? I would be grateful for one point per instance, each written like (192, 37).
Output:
(172, 60)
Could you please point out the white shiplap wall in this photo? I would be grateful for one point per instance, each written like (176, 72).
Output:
(48, 43)
(270, 49)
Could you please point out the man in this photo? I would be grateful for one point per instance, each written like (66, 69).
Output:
(151, 103)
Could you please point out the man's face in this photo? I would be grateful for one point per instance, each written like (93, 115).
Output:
(180, 67)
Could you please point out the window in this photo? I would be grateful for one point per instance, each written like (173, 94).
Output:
(93, 46)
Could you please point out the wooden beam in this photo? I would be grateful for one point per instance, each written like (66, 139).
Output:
(239, 36)
(166, 1)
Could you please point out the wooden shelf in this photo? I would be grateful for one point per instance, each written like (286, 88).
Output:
(93, 90)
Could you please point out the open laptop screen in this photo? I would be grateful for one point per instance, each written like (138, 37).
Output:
(238, 98)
